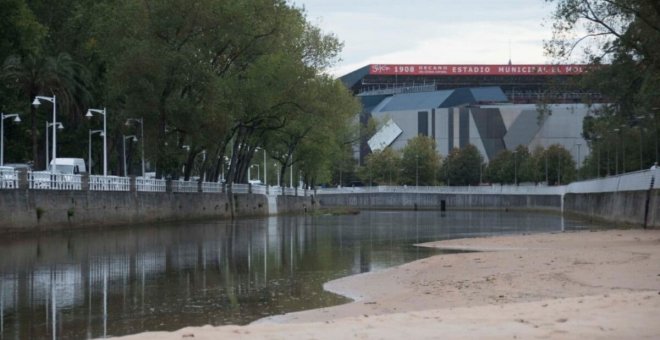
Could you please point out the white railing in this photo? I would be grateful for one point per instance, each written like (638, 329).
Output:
(211, 187)
(109, 183)
(185, 186)
(240, 188)
(633, 181)
(259, 189)
(150, 185)
(51, 181)
(485, 190)
(8, 179)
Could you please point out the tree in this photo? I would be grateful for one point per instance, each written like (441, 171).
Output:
(463, 166)
(622, 39)
(420, 161)
(382, 167)
(501, 168)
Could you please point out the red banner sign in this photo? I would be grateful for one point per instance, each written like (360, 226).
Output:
(471, 70)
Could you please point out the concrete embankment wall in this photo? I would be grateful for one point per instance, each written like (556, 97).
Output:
(620, 207)
(434, 201)
(34, 210)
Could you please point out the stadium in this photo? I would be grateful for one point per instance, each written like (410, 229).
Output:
(493, 107)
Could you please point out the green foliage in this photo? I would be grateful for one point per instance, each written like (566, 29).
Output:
(420, 162)
(222, 78)
(622, 39)
(554, 164)
(463, 166)
(382, 167)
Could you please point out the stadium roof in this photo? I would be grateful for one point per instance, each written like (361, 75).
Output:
(441, 99)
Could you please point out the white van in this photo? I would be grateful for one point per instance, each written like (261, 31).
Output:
(69, 165)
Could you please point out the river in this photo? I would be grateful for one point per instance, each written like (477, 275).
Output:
(95, 283)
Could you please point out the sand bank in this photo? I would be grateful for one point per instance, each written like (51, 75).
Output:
(602, 284)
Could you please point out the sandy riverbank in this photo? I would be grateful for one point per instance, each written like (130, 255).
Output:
(602, 284)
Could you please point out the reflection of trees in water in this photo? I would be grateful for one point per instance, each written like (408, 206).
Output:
(124, 281)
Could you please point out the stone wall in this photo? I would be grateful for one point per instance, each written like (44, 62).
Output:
(28, 210)
(434, 201)
(620, 207)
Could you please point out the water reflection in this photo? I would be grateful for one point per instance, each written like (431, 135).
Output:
(85, 284)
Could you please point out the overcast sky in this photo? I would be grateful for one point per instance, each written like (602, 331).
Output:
(433, 31)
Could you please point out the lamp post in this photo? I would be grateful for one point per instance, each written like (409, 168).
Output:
(89, 151)
(416, 171)
(53, 100)
(3, 116)
(124, 138)
(265, 170)
(515, 167)
(141, 122)
(258, 171)
(105, 136)
(59, 126)
(616, 152)
(578, 161)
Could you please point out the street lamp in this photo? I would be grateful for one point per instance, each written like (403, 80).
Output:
(3, 116)
(133, 138)
(141, 122)
(258, 171)
(53, 100)
(89, 151)
(105, 136)
(59, 126)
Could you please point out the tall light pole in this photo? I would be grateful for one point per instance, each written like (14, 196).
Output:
(416, 171)
(124, 138)
(105, 136)
(578, 160)
(3, 116)
(515, 167)
(265, 170)
(59, 126)
(141, 121)
(53, 100)
(89, 151)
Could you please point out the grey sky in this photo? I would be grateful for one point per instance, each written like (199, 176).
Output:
(433, 32)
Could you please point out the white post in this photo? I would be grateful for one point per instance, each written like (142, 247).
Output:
(142, 141)
(265, 170)
(2, 140)
(89, 152)
(47, 146)
(123, 139)
(105, 145)
(54, 134)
